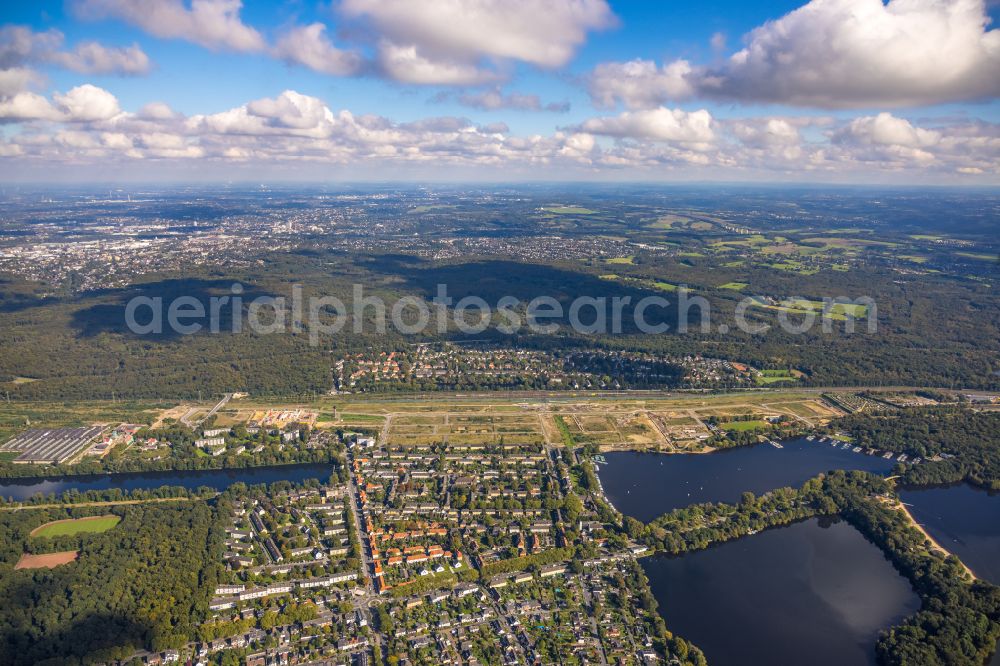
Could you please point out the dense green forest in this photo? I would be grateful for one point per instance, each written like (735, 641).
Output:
(141, 584)
(957, 444)
(932, 330)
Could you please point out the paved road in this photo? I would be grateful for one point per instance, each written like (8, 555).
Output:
(367, 565)
(186, 419)
(502, 618)
(219, 405)
(443, 396)
(588, 599)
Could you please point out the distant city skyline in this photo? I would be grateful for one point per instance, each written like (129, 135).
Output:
(827, 91)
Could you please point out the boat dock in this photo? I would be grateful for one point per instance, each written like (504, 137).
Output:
(850, 446)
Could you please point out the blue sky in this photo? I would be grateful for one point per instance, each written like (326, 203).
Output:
(649, 90)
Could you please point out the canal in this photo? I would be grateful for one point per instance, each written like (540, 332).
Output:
(218, 479)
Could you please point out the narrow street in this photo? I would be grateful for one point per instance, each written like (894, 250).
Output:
(367, 565)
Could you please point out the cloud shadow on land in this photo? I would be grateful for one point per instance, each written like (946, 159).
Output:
(109, 315)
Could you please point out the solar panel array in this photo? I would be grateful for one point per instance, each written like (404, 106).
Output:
(53, 445)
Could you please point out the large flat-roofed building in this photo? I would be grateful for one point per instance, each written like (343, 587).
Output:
(53, 445)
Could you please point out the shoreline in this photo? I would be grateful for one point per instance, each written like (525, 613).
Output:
(935, 545)
(63, 476)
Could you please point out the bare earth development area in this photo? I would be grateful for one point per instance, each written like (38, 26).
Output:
(46, 561)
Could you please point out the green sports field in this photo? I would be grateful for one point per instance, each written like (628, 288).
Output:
(77, 526)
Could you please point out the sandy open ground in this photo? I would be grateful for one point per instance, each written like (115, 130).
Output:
(934, 544)
(47, 561)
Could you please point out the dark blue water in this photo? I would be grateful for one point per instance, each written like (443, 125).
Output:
(965, 521)
(646, 485)
(811, 593)
(219, 479)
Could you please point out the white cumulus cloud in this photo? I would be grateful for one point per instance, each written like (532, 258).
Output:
(309, 46)
(639, 83)
(857, 53)
(543, 32)
(95, 58)
(86, 128)
(214, 24)
(15, 80)
(495, 99)
(20, 45)
(834, 54)
(888, 130)
(27, 106)
(406, 65)
(446, 42)
(84, 103)
(662, 124)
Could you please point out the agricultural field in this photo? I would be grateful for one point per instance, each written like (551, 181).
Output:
(658, 285)
(670, 221)
(838, 311)
(569, 210)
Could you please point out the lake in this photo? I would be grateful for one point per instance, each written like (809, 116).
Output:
(219, 479)
(965, 521)
(811, 593)
(646, 485)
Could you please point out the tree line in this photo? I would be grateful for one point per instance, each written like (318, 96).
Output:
(956, 443)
